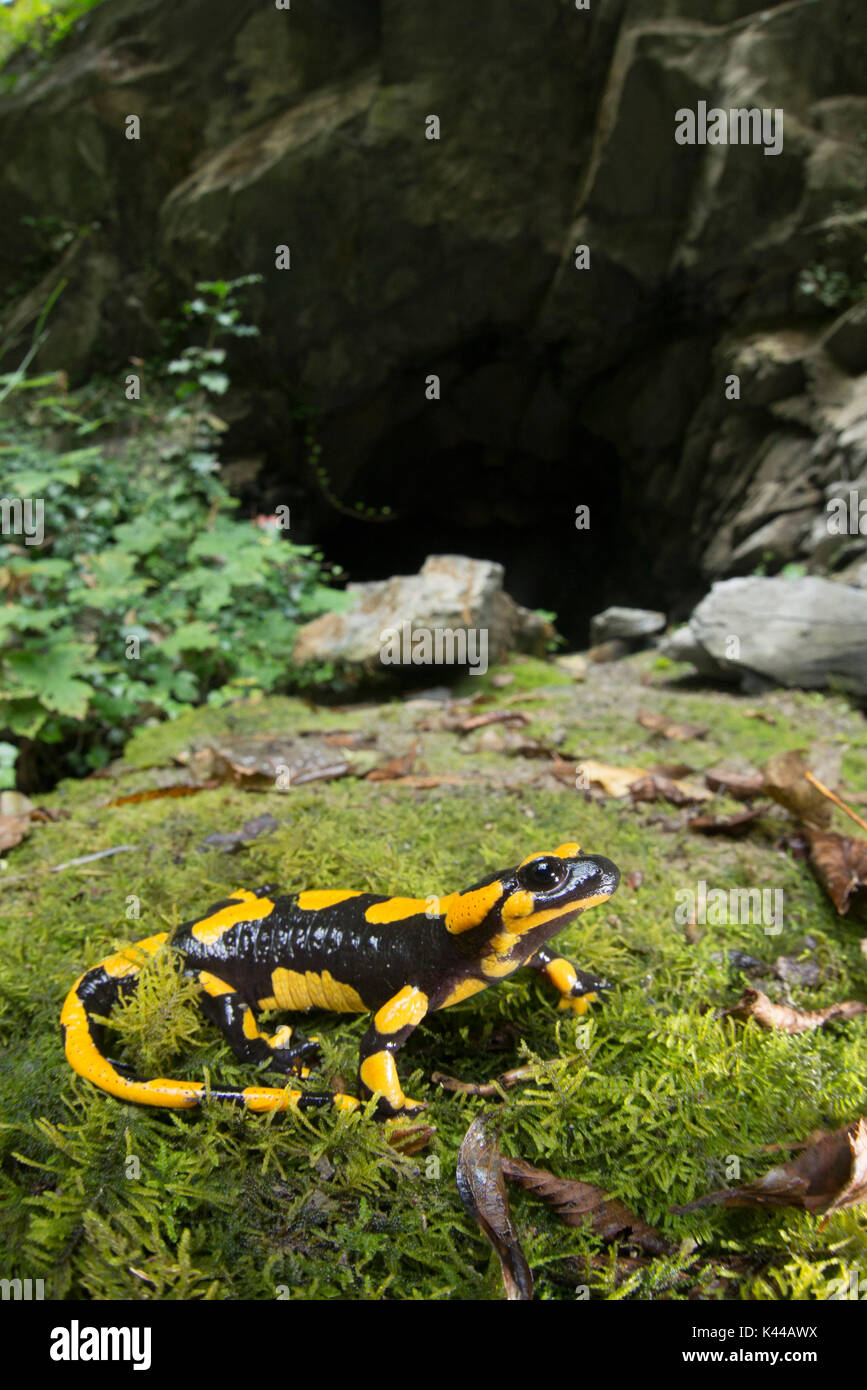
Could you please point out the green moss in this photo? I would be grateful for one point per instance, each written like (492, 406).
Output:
(111, 1201)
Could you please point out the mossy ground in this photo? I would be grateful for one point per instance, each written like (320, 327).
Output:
(104, 1200)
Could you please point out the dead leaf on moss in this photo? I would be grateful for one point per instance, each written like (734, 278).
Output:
(743, 786)
(830, 1174)
(396, 768)
(677, 792)
(482, 1189)
(840, 864)
(786, 782)
(480, 721)
(585, 1204)
(411, 1139)
(614, 781)
(754, 1004)
(669, 728)
(726, 825)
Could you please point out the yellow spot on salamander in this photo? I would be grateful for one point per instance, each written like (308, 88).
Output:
(562, 975)
(250, 909)
(570, 850)
(212, 986)
(464, 990)
(395, 910)
(317, 898)
(129, 961)
(249, 1025)
(406, 1009)
(299, 991)
(468, 910)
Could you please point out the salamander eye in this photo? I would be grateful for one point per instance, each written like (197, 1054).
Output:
(541, 875)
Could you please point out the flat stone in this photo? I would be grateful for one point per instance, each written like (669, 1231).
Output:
(625, 625)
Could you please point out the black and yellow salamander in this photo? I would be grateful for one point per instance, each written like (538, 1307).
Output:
(396, 958)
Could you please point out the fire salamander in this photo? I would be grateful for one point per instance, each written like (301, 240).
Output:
(396, 958)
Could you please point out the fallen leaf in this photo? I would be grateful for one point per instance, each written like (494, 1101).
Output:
(395, 768)
(726, 825)
(840, 864)
(830, 1174)
(678, 793)
(615, 781)
(585, 1204)
(743, 786)
(754, 1004)
(786, 782)
(411, 1139)
(154, 793)
(668, 728)
(479, 721)
(759, 714)
(634, 880)
(482, 1190)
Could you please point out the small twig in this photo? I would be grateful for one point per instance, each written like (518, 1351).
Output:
(69, 864)
(820, 787)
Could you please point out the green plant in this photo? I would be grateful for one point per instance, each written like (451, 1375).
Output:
(146, 595)
(220, 316)
(38, 24)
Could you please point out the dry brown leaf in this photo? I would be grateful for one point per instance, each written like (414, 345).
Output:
(615, 781)
(668, 728)
(786, 783)
(584, 1204)
(830, 1173)
(726, 825)
(411, 1139)
(677, 792)
(743, 786)
(754, 1004)
(155, 793)
(482, 1190)
(396, 768)
(502, 716)
(840, 864)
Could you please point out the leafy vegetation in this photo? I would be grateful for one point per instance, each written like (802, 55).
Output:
(146, 594)
(38, 24)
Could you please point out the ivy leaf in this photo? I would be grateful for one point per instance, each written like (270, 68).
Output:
(217, 382)
(191, 637)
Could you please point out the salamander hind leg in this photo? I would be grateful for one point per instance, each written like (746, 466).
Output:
(284, 1051)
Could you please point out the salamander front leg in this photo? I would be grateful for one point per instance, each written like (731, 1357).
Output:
(578, 989)
(235, 1019)
(392, 1025)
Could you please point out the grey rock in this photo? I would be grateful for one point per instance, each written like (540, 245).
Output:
(807, 632)
(626, 625)
(450, 594)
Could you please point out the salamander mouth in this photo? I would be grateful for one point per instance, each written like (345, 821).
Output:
(594, 876)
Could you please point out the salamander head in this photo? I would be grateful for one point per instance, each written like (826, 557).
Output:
(511, 914)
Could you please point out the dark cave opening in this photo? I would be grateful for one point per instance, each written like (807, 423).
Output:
(518, 510)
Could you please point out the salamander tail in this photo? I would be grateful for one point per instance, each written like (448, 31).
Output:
(95, 994)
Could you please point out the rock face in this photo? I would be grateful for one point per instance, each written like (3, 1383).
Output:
(457, 256)
(806, 632)
(453, 613)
